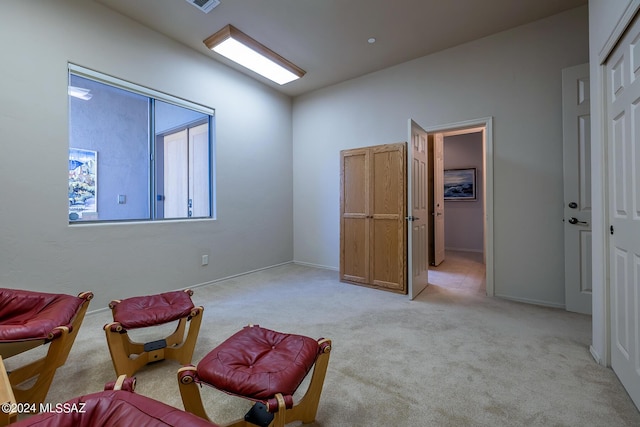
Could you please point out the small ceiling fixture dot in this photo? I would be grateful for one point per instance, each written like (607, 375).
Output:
(371, 40)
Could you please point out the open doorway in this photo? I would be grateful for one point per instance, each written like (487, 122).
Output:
(462, 227)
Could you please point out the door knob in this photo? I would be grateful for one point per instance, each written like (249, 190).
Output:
(573, 205)
(574, 220)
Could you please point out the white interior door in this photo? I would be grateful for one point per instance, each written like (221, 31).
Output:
(186, 173)
(438, 198)
(417, 211)
(199, 171)
(176, 178)
(576, 121)
(622, 77)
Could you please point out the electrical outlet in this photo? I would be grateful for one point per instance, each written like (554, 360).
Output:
(205, 259)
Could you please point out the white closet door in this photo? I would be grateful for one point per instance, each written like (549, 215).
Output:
(623, 134)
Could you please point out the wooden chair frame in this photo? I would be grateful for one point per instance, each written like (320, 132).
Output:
(6, 396)
(305, 410)
(44, 369)
(179, 345)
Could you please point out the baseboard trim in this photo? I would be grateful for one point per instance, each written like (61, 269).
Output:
(596, 356)
(97, 310)
(479, 251)
(233, 276)
(309, 264)
(211, 282)
(532, 301)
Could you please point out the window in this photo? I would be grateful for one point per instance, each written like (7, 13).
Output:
(136, 154)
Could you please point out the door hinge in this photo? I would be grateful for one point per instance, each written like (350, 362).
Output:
(611, 229)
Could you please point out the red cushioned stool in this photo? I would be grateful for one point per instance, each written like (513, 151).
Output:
(146, 311)
(266, 367)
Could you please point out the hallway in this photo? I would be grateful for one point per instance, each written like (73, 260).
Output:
(461, 271)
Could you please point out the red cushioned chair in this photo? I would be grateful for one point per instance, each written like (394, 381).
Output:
(116, 406)
(266, 367)
(31, 319)
(146, 311)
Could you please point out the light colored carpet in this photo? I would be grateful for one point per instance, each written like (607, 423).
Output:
(452, 357)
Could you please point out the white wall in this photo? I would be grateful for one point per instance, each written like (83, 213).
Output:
(515, 77)
(39, 250)
(606, 21)
(464, 220)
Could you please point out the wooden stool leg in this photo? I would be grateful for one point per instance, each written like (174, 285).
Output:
(120, 351)
(280, 417)
(190, 393)
(310, 401)
(307, 408)
(178, 335)
(6, 396)
(183, 352)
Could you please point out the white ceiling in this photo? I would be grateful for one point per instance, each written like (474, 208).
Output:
(328, 38)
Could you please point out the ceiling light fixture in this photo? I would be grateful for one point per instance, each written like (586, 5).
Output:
(80, 93)
(239, 47)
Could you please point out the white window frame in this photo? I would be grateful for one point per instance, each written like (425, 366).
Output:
(77, 70)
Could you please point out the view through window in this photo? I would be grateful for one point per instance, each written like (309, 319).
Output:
(136, 154)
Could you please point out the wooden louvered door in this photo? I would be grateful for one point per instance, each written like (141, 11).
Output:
(372, 217)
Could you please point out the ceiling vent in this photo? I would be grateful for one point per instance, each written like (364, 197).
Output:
(204, 5)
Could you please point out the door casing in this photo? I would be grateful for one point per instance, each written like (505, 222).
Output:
(486, 126)
(437, 201)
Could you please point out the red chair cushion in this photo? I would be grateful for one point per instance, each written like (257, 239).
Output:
(114, 409)
(258, 363)
(27, 315)
(144, 311)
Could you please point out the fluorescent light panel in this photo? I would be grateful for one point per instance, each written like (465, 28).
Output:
(242, 49)
(80, 93)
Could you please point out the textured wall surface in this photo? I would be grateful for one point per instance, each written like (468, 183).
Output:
(40, 250)
(514, 77)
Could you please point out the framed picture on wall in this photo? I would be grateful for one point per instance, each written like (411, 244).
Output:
(460, 184)
(83, 185)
